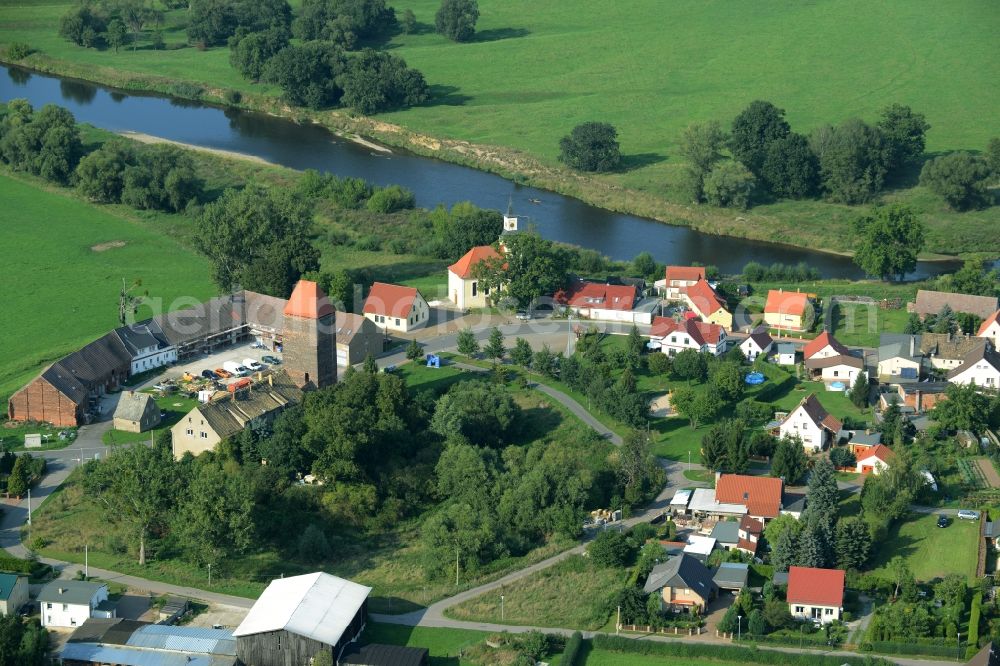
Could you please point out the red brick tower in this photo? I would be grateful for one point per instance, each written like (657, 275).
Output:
(310, 337)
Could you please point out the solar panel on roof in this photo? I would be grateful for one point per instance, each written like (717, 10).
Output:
(908, 373)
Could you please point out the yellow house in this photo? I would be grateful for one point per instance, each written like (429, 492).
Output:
(788, 309)
(704, 302)
(463, 288)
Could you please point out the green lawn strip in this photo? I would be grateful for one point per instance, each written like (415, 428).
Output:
(930, 551)
(541, 599)
(12, 435)
(444, 645)
(175, 406)
(477, 100)
(699, 475)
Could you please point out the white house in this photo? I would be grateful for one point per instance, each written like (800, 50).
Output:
(679, 278)
(899, 358)
(947, 351)
(836, 368)
(606, 302)
(990, 329)
(815, 594)
(464, 289)
(13, 593)
(147, 346)
(980, 368)
(757, 343)
(874, 460)
(811, 423)
(824, 345)
(671, 336)
(396, 308)
(785, 353)
(69, 603)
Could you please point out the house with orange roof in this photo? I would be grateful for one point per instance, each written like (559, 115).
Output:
(464, 289)
(815, 594)
(990, 329)
(679, 278)
(396, 308)
(761, 495)
(789, 310)
(672, 337)
(824, 345)
(874, 460)
(607, 302)
(812, 424)
(707, 304)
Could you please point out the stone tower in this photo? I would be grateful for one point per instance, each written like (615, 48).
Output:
(310, 337)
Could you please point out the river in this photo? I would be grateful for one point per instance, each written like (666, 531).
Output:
(434, 182)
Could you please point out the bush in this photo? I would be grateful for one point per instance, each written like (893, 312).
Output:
(729, 185)
(391, 199)
(962, 179)
(313, 546)
(232, 97)
(18, 51)
(572, 650)
(729, 653)
(186, 90)
(975, 612)
(611, 548)
(456, 19)
(376, 81)
(591, 146)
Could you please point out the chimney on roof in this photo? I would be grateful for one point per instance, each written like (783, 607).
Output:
(62, 590)
(913, 345)
(270, 380)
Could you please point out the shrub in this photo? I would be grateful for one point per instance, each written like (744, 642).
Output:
(456, 19)
(961, 179)
(572, 650)
(974, 613)
(369, 243)
(186, 90)
(725, 653)
(18, 51)
(313, 546)
(232, 97)
(390, 199)
(611, 548)
(729, 185)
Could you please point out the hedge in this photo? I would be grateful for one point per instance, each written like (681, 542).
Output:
(572, 649)
(974, 613)
(15, 565)
(726, 652)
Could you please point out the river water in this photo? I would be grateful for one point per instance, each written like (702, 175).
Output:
(433, 181)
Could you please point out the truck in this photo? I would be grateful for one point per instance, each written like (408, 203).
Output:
(252, 364)
(238, 384)
(235, 369)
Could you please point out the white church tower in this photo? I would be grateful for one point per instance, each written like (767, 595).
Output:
(511, 222)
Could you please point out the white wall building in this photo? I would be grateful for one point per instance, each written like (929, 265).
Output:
(756, 344)
(981, 368)
(811, 423)
(69, 603)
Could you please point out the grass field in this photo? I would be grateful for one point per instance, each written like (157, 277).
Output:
(175, 407)
(650, 68)
(541, 599)
(931, 551)
(62, 267)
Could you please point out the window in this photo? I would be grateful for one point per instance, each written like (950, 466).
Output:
(475, 289)
(397, 322)
(65, 607)
(836, 373)
(49, 607)
(189, 432)
(828, 611)
(204, 435)
(673, 338)
(800, 609)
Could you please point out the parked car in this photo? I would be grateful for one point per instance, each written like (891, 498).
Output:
(271, 360)
(222, 374)
(968, 514)
(942, 521)
(523, 315)
(208, 374)
(252, 364)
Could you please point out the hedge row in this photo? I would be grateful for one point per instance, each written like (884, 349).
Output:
(572, 650)
(726, 652)
(15, 565)
(974, 613)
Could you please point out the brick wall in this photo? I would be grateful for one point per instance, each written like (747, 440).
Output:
(40, 401)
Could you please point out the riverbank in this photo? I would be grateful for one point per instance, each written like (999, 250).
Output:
(818, 226)
(230, 154)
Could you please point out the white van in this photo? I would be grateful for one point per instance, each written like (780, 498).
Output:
(968, 514)
(252, 364)
(235, 368)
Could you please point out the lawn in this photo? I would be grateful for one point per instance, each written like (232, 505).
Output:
(62, 263)
(542, 599)
(931, 551)
(444, 645)
(175, 406)
(650, 68)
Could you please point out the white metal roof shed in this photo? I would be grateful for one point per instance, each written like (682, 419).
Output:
(681, 498)
(703, 501)
(316, 605)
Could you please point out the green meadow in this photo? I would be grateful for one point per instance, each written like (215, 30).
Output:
(650, 68)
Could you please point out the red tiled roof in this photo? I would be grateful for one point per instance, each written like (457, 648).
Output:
(391, 300)
(463, 267)
(760, 494)
(700, 332)
(308, 301)
(748, 546)
(786, 302)
(704, 298)
(751, 525)
(880, 451)
(820, 342)
(686, 273)
(992, 319)
(601, 296)
(816, 587)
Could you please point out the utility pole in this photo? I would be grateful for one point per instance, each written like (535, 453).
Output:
(210, 575)
(86, 561)
(29, 506)
(739, 627)
(501, 608)
(456, 566)
(618, 625)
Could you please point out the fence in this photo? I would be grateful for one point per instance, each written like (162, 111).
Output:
(817, 641)
(666, 631)
(953, 652)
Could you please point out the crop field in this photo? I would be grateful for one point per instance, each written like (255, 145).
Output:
(62, 262)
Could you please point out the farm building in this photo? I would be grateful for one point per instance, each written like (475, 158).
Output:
(98, 642)
(69, 603)
(357, 337)
(136, 412)
(931, 302)
(147, 345)
(208, 424)
(298, 617)
(13, 593)
(383, 655)
(946, 351)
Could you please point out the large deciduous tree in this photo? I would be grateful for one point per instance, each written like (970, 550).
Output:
(961, 179)
(854, 159)
(906, 132)
(729, 185)
(309, 74)
(482, 412)
(889, 240)
(790, 168)
(456, 19)
(250, 54)
(754, 129)
(591, 146)
(531, 267)
(376, 81)
(700, 145)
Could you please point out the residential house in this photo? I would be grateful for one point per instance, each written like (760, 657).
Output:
(793, 504)
(208, 424)
(99, 642)
(70, 603)
(726, 534)
(608, 302)
(844, 369)
(815, 594)
(464, 289)
(874, 460)
(67, 393)
(822, 346)
(396, 308)
(704, 503)
(980, 368)
(683, 583)
(731, 576)
(298, 617)
(750, 531)
(946, 351)
(990, 329)
(899, 358)
(785, 353)
(357, 337)
(931, 303)
(789, 310)
(671, 336)
(761, 495)
(700, 547)
(13, 593)
(147, 345)
(679, 278)
(757, 343)
(136, 412)
(707, 304)
(917, 397)
(811, 423)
